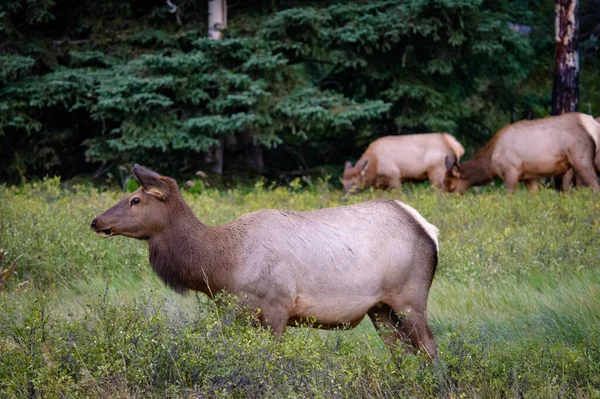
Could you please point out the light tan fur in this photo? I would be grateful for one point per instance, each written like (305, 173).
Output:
(596, 128)
(432, 230)
(529, 150)
(570, 177)
(392, 159)
(335, 265)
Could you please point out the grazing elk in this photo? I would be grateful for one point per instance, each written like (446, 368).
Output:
(529, 150)
(392, 159)
(333, 265)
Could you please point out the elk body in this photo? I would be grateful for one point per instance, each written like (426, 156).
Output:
(392, 159)
(529, 150)
(333, 265)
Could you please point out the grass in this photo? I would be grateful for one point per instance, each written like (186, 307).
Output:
(515, 305)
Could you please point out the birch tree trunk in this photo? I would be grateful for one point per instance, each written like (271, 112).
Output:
(246, 153)
(217, 18)
(217, 21)
(565, 91)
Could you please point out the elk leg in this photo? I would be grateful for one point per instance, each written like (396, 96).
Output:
(388, 326)
(413, 317)
(567, 180)
(511, 179)
(584, 168)
(395, 181)
(436, 177)
(532, 185)
(417, 329)
(274, 317)
(579, 181)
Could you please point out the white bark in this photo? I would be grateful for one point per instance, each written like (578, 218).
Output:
(217, 21)
(217, 18)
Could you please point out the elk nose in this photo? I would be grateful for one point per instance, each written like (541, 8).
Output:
(93, 225)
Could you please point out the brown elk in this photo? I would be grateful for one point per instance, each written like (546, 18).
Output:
(333, 265)
(392, 159)
(529, 150)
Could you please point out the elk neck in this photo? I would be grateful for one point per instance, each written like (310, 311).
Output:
(477, 170)
(180, 253)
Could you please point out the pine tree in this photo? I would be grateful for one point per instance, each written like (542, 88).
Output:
(90, 83)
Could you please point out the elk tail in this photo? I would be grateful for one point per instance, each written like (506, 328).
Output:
(456, 147)
(431, 230)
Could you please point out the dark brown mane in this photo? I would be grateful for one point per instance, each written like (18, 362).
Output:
(477, 170)
(170, 254)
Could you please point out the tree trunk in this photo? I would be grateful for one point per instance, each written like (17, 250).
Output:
(217, 21)
(214, 157)
(565, 91)
(217, 18)
(250, 151)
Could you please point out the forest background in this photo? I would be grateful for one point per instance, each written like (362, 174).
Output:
(89, 88)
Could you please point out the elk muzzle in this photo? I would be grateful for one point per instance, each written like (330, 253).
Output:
(104, 233)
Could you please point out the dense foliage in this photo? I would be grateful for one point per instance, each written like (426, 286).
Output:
(87, 83)
(515, 305)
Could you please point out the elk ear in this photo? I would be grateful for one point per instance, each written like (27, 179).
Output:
(450, 161)
(455, 171)
(347, 165)
(363, 170)
(151, 182)
(452, 167)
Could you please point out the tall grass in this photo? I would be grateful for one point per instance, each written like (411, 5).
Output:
(515, 305)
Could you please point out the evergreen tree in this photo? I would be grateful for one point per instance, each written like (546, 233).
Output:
(89, 83)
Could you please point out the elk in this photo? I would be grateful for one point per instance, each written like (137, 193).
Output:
(392, 159)
(529, 150)
(333, 265)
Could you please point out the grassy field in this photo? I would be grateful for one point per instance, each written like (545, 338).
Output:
(515, 305)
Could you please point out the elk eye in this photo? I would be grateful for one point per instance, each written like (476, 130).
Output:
(135, 201)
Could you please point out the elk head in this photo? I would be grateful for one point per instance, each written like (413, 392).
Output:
(141, 214)
(454, 181)
(353, 179)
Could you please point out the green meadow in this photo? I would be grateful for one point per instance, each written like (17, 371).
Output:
(515, 304)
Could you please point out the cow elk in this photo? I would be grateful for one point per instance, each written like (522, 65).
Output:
(333, 266)
(392, 159)
(529, 150)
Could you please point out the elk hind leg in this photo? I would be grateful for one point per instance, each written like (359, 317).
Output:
(409, 326)
(567, 180)
(275, 317)
(388, 326)
(436, 176)
(532, 185)
(584, 168)
(417, 329)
